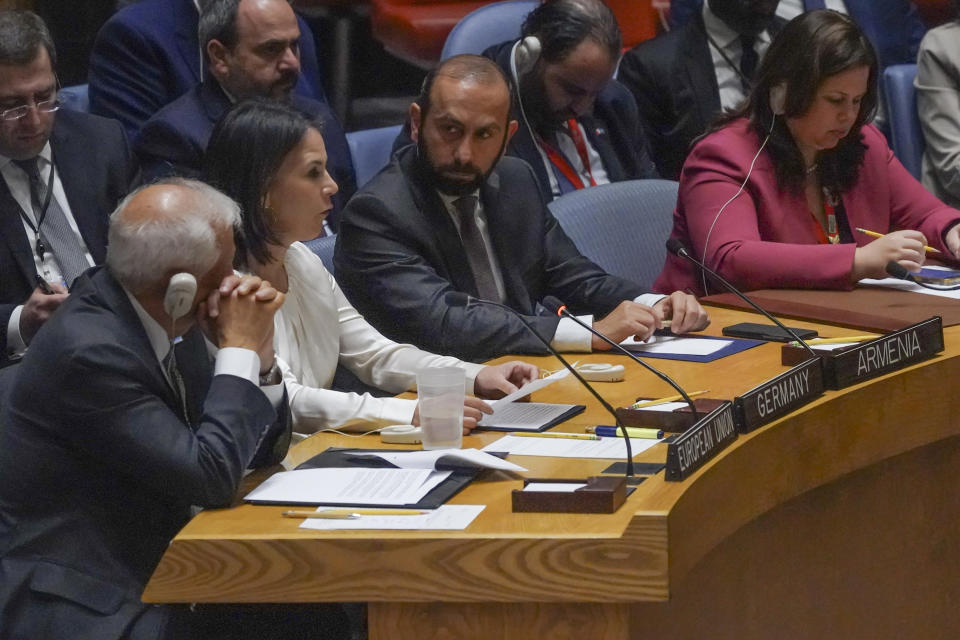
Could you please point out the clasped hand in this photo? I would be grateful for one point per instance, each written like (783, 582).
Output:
(239, 313)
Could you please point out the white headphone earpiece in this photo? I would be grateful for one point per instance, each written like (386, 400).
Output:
(778, 99)
(528, 52)
(179, 296)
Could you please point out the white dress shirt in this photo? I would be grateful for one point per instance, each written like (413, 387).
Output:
(790, 9)
(569, 336)
(726, 51)
(19, 185)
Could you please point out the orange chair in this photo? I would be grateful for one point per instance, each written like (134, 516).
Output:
(639, 20)
(935, 12)
(415, 30)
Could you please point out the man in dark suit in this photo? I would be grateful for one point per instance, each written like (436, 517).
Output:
(451, 214)
(148, 54)
(893, 26)
(49, 234)
(251, 48)
(683, 79)
(113, 429)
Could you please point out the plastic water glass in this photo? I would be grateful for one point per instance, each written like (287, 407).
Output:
(440, 392)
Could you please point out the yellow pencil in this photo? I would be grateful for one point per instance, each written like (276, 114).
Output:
(537, 434)
(347, 514)
(874, 234)
(838, 340)
(674, 398)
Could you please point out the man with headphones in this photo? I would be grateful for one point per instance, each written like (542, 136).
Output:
(452, 215)
(119, 422)
(578, 126)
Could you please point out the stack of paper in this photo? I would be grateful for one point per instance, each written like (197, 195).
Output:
(450, 517)
(569, 447)
(348, 485)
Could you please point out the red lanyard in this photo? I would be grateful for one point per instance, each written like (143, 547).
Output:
(832, 234)
(561, 163)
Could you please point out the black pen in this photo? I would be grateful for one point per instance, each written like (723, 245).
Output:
(44, 286)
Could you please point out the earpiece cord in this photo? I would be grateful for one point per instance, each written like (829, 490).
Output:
(734, 197)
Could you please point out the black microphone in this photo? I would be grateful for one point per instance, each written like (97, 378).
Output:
(897, 270)
(460, 299)
(561, 309)
(676, 247)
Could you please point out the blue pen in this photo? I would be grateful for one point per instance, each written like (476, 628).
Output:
(633, 432)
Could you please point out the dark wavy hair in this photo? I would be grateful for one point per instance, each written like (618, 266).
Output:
(809, 49)
(561, 25)
(246, 149)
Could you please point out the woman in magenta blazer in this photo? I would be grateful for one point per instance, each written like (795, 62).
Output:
(774, 195)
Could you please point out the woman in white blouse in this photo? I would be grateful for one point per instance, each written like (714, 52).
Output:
(271, 159)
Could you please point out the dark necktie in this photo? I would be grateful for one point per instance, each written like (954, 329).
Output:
(476, 251)
(811, 5)
(55, 231)
(748, 61)
(176, 383)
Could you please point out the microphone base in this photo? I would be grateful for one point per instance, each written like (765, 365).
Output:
(642, 469)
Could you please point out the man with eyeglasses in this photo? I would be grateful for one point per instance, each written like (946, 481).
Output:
(62, 173)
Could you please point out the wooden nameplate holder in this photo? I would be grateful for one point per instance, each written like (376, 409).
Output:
(602, 494)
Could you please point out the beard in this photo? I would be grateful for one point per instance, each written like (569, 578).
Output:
(455, 179)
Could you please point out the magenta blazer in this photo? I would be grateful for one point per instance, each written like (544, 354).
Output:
(766, 238)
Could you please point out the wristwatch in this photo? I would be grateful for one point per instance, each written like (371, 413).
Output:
(272, 376)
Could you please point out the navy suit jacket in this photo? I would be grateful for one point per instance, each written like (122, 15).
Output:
(148, 54)
(893, 26)
(97, 169)
(98, 471)
(398, 254)
(174, 140)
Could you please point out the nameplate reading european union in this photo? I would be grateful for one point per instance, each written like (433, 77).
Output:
(893, 351)
(779, 396)
(706, 438)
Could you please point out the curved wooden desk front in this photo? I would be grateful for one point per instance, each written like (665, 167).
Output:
(839, 520)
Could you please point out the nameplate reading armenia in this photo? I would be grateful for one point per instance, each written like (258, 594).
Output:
(893, 351)
(705, 439)
(779, 396)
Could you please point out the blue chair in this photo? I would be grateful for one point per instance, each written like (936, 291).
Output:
(75, 98)
(622, 226)
(906, 136)
(370, 151)
(487, 26)
(323, 247)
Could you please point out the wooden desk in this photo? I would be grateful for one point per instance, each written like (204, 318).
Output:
(838, 520)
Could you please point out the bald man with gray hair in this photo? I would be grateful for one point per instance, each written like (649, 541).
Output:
(119, 421)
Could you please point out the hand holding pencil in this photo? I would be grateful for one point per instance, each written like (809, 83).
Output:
(907, 248)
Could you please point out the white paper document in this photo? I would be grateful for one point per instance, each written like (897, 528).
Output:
(530, 387)
(676, 345)
(348, 485)
(903, 285)
(524, 416)
(569, 447)
(428, 459)
(449, 517)
(665, 406)
(555, 487)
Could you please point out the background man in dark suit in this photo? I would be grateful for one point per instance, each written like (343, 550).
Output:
(148, 54)
(90, 165)
(452, 214)
(251, 48)
(684, 78)
(113, 429)
(893, 26)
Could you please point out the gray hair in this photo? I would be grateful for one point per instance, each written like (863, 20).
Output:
(22, 33)
(143, 251)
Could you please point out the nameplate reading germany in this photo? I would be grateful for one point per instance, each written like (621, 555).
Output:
(705, 439)
(779, 396)
(893, 351)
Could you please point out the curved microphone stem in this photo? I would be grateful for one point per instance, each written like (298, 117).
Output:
(675, 247)
(464, 299)
(562, 311)
(900, 272)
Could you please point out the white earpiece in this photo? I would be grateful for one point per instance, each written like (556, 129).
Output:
(778, 99)
(527, 54)
(179, 296)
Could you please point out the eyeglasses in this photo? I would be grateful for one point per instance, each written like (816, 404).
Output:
(46, 106)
